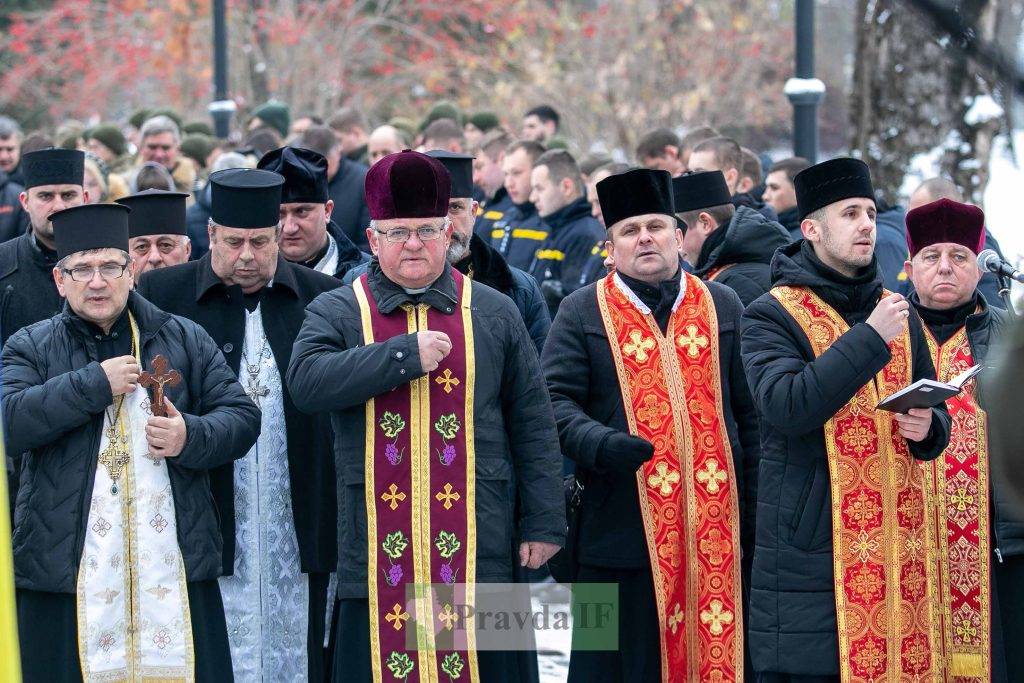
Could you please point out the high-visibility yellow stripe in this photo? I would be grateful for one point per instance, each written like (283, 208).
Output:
(497, 233)
(10, 662)
(598, 250)
(550, 255)
(527, 234)
(493, 215)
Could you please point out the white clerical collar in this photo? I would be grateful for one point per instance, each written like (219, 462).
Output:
(640, 305)
(418, 290)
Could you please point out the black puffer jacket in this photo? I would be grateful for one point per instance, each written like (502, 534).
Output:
(516, 442)
(54, 397)
(792, 626)
(744, 248)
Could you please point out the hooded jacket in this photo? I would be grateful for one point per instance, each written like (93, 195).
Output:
(744, 250)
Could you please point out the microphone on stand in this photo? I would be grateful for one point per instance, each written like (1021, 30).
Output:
(989, 261)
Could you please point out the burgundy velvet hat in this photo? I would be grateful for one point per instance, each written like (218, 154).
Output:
(408, 185)
(945, 221)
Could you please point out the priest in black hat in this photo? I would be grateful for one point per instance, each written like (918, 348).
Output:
(651, 402)
(277, 504)
(475, 258)
(841, 524)
(156, 230)
(442, 422)
(308, 234)
(54, 180)
(116, 545)
(726, 243)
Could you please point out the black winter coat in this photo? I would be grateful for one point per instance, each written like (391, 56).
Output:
(790, 220)
(27, 291)
(197, 218)
(754, 202)
(12, 216)
(194, 291)
(350, 210)
(561, 258)
(792, 622)
(1000, 386)
(517, 456)
(588, 406)
(54, 397)
(746, 246)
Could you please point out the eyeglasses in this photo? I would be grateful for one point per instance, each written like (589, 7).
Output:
(108, 271)
(403, 234)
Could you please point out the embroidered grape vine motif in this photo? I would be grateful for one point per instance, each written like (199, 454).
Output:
(392, 425)
(447, 545)
(448, 427)
(452, 665)
(393, 546)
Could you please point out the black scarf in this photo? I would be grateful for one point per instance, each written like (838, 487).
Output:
(659, 298)
(945, 323)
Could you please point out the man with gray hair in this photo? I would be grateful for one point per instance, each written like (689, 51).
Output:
(160, 142)
(10, 149)
(277, 506)
(12, 218)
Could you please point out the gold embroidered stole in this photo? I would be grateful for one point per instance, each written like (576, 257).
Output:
(134, 622)
(672, 392)
(958, 488)
(421, 501)
(885, 593)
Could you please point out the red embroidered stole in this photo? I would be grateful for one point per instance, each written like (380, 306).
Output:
(420, 501)
(958, 487)
(672, 392)
(885, 593)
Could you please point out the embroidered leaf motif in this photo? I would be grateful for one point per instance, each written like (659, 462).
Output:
(394, 544)
(452, 665)
(448, 426)
(447, 544)
(391, 424)
(399, 664)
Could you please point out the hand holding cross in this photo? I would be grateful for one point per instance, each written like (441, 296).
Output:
(156, 380)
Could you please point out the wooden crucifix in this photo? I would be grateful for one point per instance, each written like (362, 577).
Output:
(156, 380)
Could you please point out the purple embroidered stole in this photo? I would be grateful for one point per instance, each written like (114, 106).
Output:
(420, 501)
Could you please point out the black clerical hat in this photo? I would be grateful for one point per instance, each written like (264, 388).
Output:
(460, 166)
(90, 226)
(692, 191)
(831, 181)
(245, 198)
(635, 193)
(155, 212)
(304, 172)
(53, 166)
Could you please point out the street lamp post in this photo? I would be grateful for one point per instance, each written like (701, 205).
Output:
(804, 90)
(221, 108)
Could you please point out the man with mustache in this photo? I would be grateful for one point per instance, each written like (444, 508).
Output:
(157, 230)
(977, 538)
(277, 504)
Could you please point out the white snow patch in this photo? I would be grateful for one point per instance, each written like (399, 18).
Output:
(983, 109)
(804, 86)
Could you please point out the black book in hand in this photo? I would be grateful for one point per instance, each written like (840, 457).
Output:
(927, 393)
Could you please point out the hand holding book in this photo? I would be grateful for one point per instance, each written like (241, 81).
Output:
(926, 393)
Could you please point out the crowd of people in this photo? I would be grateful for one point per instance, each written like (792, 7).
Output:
(256, 390)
